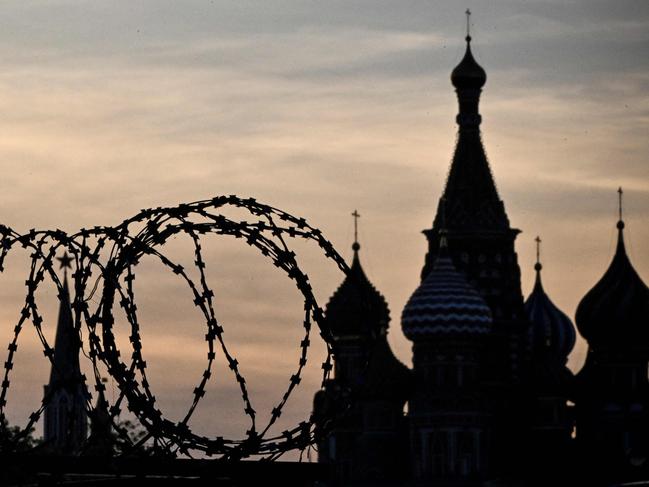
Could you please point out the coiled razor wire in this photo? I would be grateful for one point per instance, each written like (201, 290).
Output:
(144, 235)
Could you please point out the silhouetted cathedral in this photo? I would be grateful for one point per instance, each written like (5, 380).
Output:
(490, 400)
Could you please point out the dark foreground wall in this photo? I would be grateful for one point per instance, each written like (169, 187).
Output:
(22, 469)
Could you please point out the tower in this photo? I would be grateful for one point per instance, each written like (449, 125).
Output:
(450, 424)
(65, 419)
(367, 443)
(481, 245)
(612, 388)
(552, 337)
(480, 238)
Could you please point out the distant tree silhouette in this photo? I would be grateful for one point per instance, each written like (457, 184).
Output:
(13, 438)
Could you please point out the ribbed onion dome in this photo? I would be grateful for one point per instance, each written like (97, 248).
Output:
(445, 304)
(552, 330)
(615, 312)
(468, 74)
(357, 308)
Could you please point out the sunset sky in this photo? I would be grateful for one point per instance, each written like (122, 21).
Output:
(317, 108)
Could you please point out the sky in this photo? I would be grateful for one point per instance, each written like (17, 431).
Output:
(317, 108)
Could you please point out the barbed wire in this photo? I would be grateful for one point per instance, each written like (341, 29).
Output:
(104, 258)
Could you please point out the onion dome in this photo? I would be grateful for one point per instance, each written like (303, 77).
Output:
(552, 331)
(357, 308)
(468, 74)
(615, 312)
(445, 304)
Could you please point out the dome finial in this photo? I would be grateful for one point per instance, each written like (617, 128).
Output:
(538, 286)
(538, 266)
(468, 77)
(356, 246)
(620, 222)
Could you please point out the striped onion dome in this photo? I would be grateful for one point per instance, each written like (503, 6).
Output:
(614, 313)
(445, 304)
(552, 331)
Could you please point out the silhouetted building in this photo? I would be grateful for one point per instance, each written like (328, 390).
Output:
(369, 443)
(491, 401)
(65, 418)
(551, 383)
(449, 324)
(612, 395)
(481, 245)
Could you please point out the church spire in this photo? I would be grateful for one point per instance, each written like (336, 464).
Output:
(471, 217)
(65, 419)
(65, 368)
(472, 201)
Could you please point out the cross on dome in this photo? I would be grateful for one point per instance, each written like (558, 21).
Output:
(620, 223)
(538, 265)
(356, 246)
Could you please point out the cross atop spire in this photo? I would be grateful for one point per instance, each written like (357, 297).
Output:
(538, 265)
(468, 25)
(620, 222)
(356, 216)
(620, 192)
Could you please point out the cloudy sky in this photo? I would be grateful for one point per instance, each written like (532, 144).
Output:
(318, 108)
